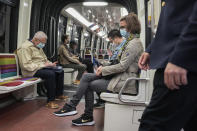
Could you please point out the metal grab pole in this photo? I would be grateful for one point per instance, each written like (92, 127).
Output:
(152, 17)
(52, 32)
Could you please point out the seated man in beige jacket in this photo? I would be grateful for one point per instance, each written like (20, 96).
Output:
(33, 62)
(68, 60)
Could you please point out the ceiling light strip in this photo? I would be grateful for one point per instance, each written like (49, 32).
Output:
(78, 16)
(95, 3)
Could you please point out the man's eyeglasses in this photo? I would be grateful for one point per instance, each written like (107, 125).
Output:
(41, 41)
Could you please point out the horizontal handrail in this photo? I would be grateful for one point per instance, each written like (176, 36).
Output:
(125, 85)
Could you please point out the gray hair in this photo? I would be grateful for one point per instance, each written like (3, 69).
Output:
(40, 35)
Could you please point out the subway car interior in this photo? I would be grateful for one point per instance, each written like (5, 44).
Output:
(86, 23)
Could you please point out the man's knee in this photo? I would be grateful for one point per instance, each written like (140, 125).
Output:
(86, 76)
(50, 74)
(93, 84)
(82, 68)
(61, 72)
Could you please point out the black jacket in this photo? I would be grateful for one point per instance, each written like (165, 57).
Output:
(176, 37)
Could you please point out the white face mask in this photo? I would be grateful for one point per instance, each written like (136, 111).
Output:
(40, 45)
(123, 32)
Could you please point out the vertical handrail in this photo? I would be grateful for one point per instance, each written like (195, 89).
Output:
(52, 36)
(152, 17)
(54, 40)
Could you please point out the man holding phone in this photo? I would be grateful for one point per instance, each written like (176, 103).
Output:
(33, 62)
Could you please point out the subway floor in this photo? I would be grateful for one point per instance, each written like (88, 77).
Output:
(34, 116)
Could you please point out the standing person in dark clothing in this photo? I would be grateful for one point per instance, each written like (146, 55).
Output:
(172, 52)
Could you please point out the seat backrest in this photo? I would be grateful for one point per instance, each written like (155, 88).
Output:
(8, 66)
(144, 88)
(87, 56)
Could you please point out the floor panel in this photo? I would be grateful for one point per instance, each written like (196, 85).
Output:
(34, 116)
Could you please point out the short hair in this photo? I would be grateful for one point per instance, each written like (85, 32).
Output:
(72, 43)
(109, 34)
(115, 33)
(40, 35)
(133, 23)
(64, 37)
(123, 18)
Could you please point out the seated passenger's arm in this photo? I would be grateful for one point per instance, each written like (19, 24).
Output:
(133, 50)
(109, 52)
(66, 55)
(26, 62)
(104, 62)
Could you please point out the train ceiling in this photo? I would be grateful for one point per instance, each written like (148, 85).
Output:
(102, 16)
(42, 10)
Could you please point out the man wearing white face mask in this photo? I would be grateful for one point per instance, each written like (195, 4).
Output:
(33, 62)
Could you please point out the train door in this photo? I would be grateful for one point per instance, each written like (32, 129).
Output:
(8, 25)
(152, 13)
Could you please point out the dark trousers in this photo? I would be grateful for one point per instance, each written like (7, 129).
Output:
(171, 110)
(89, 83)
(89, 65)
(53, 82)
(81, 69)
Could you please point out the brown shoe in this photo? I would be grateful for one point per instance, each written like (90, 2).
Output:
(52, 105)
(76, 82)
(62, 97)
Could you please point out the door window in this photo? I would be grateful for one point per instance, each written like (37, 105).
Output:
(2, 27)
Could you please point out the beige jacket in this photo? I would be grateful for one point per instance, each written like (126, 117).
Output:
(128, 67)
(66, 57)
(31, 58)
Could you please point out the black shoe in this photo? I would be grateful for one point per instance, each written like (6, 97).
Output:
(99, 104)
(66, 111)
(84, 120)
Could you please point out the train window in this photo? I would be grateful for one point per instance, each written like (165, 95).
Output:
(88, 39)
(74, 35)
(8, 25)
(152, 18)
(62, 27)
(2, 27)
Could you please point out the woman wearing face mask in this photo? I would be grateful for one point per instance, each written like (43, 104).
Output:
(68, 60)
(123, 24)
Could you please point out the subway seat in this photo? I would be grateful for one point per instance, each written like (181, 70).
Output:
(69, 75)
(123, 112)
(10, 80)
